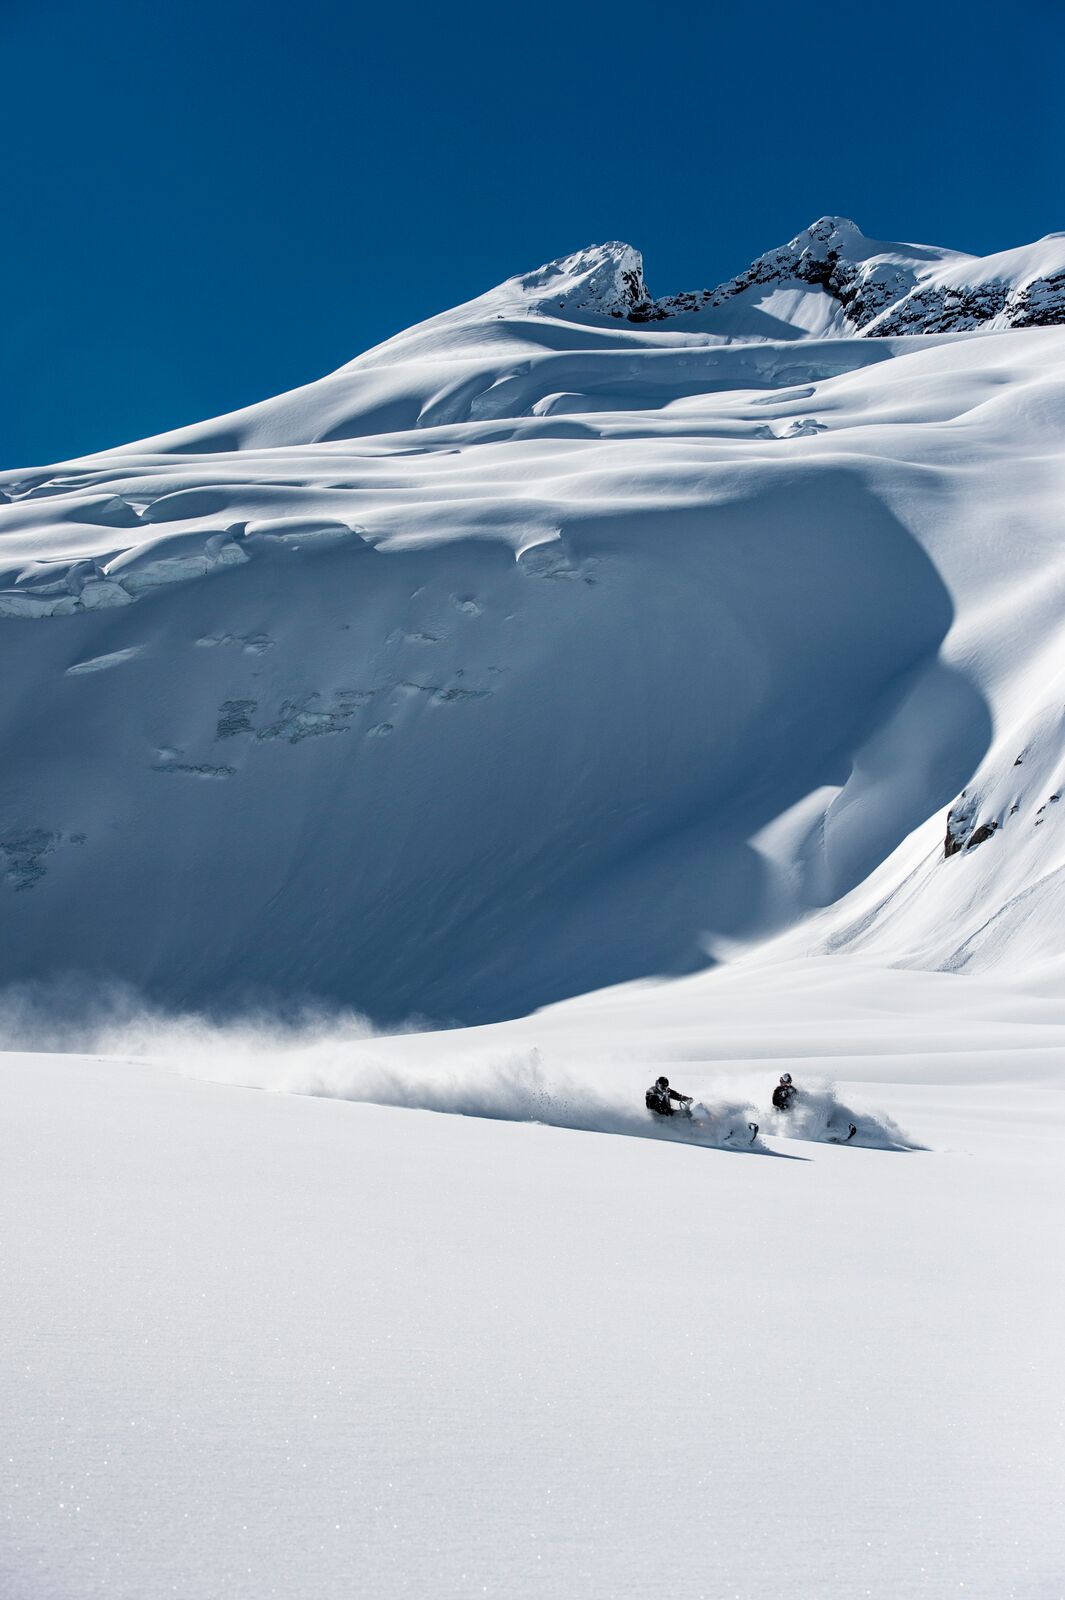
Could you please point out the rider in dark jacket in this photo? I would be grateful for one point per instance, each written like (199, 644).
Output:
(784, 1093)
(659, 1096)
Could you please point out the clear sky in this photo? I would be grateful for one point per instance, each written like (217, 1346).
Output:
(209, 201)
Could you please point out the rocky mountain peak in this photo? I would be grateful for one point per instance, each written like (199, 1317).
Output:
(604, 278)
(838, 234)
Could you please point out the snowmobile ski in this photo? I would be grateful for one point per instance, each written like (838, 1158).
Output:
(704, 1119)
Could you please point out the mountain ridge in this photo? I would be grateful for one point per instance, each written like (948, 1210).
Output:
(880, 288)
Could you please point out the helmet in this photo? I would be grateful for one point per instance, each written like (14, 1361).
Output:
(662, 1083)
(785, 1077)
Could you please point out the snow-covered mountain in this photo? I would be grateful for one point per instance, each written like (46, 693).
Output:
(568, 637)
(877, 288)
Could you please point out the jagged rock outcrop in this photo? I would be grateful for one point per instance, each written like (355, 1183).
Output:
(946, 309)
(828, 254)
(963, 832)
(959, 823)
(606, 278)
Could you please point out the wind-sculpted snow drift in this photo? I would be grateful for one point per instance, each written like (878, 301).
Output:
(568, 638)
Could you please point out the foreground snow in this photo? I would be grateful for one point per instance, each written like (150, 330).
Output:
(275, 1345)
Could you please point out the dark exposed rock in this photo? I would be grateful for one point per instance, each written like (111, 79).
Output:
(962, 834)
(959, 823)
(981, 834)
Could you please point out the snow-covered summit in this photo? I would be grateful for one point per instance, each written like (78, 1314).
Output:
(905, 288)
(863, 276)
(605, 278)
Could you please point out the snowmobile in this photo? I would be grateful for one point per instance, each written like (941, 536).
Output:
(666, 1103)
(739, 1132)
(785, 1096)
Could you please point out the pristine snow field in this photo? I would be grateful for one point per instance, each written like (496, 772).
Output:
(577, 687)
(265, 1345)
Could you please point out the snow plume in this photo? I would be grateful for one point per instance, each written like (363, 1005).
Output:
(321, 1051)
(338, 1055)
(820, 1115)
(76, 1016)
(517, 1087)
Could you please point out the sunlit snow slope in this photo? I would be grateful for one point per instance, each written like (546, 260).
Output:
(569, 637)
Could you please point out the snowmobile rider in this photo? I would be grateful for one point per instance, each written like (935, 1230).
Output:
(784, 1093)
(659, 1095)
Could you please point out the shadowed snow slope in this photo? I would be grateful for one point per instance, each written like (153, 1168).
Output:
(567, 638)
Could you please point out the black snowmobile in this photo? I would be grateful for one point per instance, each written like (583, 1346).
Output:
(784, 1097)
(659, 1100)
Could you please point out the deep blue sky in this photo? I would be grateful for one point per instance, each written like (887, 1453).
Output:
(206, 203)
